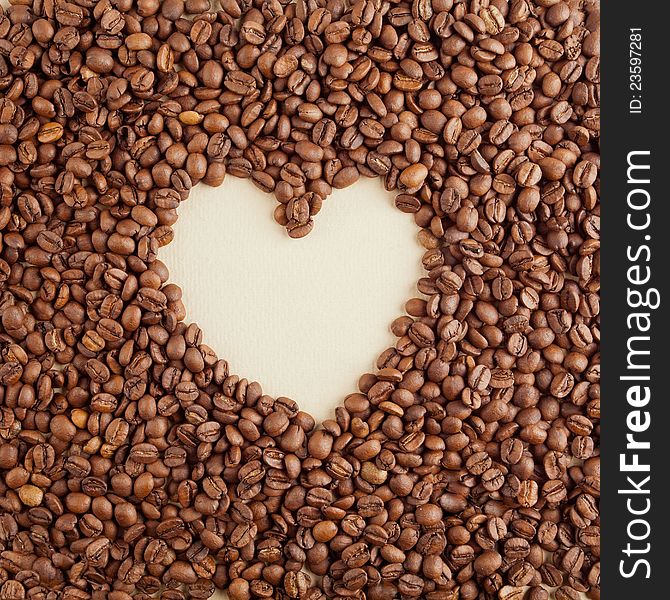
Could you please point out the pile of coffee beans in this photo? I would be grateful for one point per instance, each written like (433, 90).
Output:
(134, 465)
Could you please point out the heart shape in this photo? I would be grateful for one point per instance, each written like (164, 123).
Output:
(135, 465)
(306, 318)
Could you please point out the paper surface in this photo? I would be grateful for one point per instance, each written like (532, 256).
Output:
(305, 318)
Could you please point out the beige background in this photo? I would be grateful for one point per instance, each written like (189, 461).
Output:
(303, 317)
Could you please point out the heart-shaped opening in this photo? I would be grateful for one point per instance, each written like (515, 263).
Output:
(304, 317)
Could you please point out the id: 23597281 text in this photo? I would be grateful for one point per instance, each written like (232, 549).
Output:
(635, 70)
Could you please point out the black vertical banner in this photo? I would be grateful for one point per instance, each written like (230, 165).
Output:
(635, 294)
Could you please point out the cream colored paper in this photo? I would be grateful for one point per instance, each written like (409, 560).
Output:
(303, 317)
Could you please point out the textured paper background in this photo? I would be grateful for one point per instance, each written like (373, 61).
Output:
(303, 317)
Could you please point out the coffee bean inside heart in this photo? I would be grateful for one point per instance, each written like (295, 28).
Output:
(306, 318)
